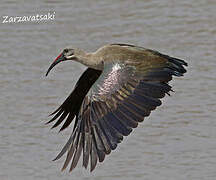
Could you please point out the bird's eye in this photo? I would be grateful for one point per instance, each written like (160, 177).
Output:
(66, 51)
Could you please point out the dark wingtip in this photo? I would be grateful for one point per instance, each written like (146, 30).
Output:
(184, 63)
(48, 122)
(58, 156)
(63, 168)
(55, 111)
(55, 159)
(62, 128)
(55, 125)
(92, 168)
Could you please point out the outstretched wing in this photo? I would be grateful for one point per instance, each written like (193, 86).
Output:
(71, 106)
(120, 98)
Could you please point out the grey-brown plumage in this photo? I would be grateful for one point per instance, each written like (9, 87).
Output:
(122, 85)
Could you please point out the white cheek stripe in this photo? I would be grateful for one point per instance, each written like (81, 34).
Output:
(68, 57)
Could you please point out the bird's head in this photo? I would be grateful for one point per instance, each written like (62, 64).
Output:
(67, 54)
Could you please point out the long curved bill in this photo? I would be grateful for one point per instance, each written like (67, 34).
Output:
(59, 59)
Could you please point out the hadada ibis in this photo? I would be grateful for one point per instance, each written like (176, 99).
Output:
(121, 86)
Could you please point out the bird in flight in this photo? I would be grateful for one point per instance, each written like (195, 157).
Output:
(121, 86)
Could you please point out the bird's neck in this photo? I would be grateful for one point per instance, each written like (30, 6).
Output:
(90, 60)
